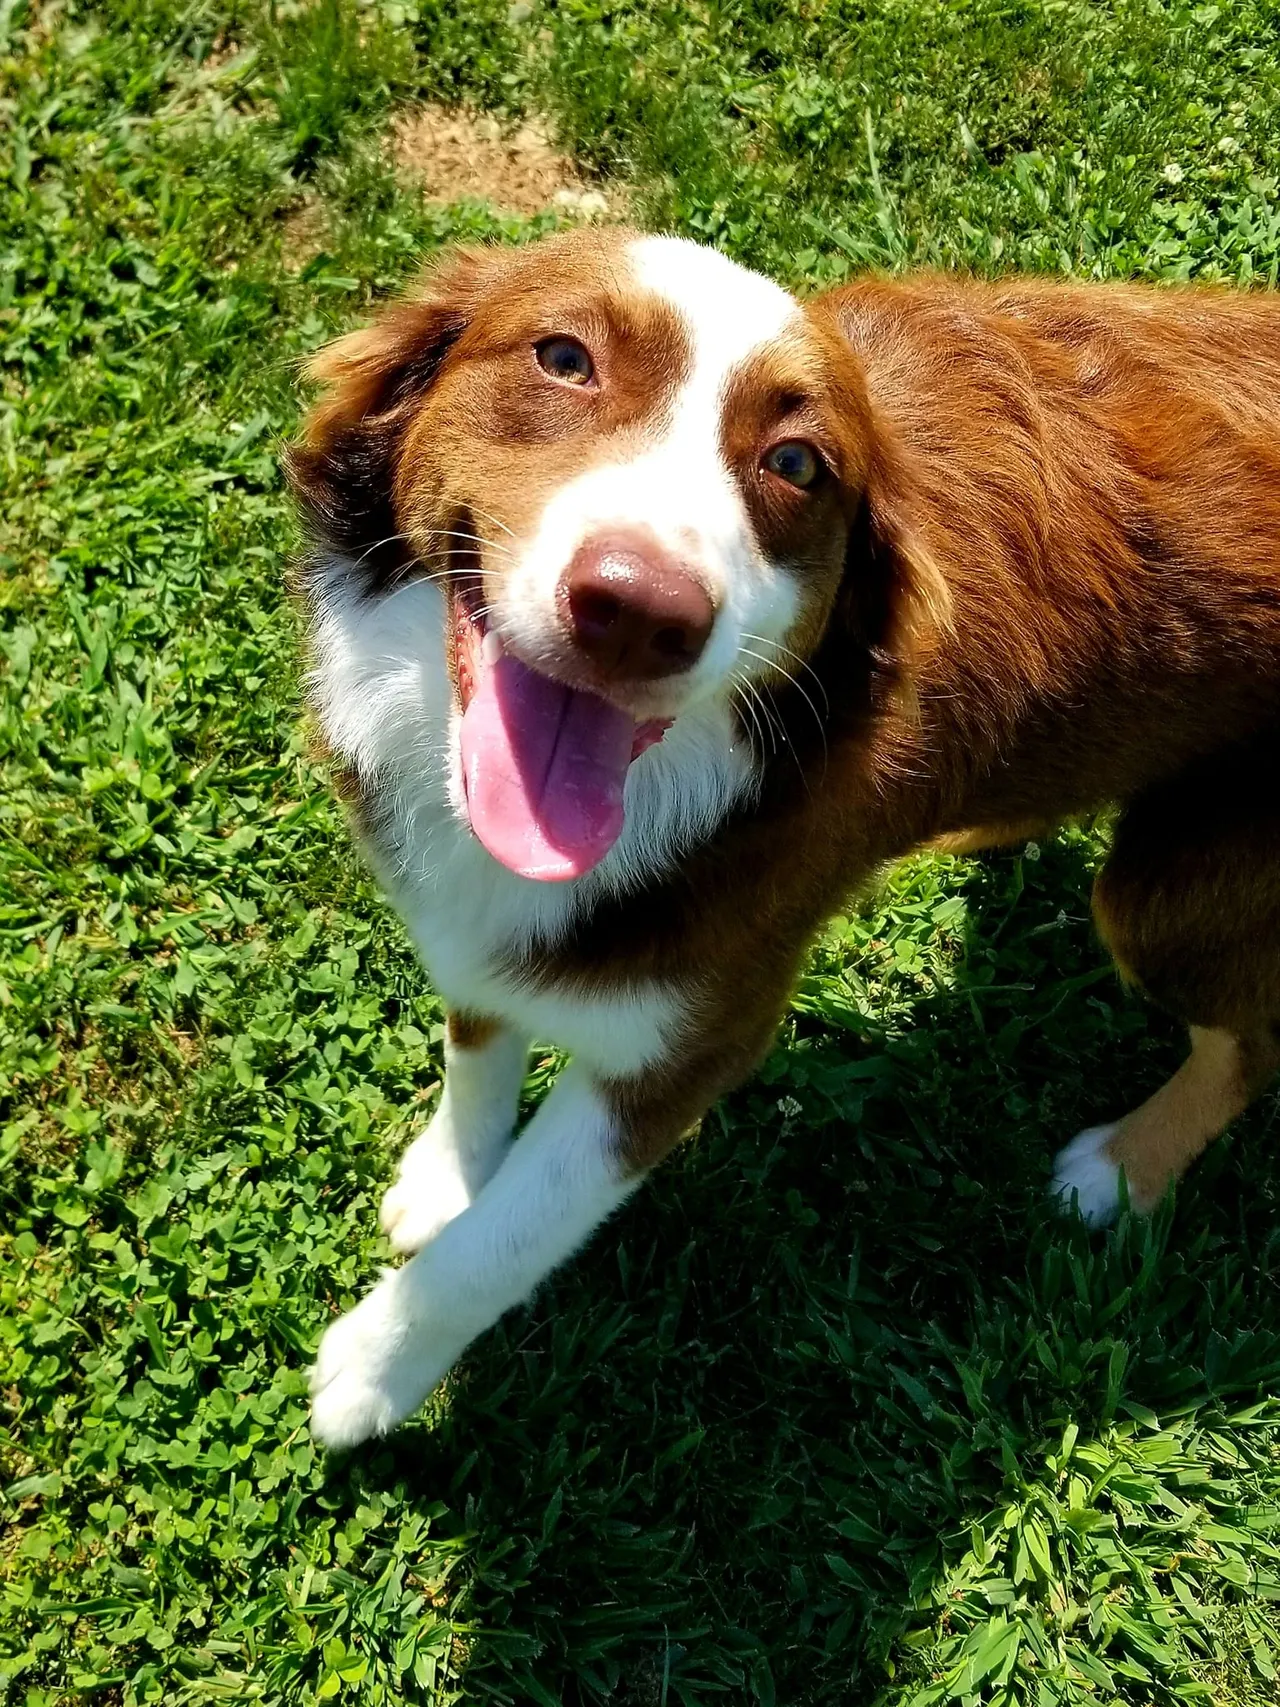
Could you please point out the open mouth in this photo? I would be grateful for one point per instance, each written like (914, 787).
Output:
(544, 765)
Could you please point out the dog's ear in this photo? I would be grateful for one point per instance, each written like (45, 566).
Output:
(342, 469)
(895, 594)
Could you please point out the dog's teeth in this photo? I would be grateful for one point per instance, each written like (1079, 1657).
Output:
(491, 648)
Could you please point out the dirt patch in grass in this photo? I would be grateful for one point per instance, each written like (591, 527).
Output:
(457, 154)
(303, 233)
(454, 154)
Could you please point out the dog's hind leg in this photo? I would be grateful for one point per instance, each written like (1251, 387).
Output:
(1189, 904)
(1158, 1142)
(467, 1137)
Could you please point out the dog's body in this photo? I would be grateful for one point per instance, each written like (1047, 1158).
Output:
(783, 593)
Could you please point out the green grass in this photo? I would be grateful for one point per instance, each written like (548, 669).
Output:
(836, 1412)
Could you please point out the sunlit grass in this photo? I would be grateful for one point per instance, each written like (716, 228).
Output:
(836, 1411)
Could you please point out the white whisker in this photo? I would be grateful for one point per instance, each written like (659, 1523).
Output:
(486, 517)
(743, 687)
(470, 539)
(804, 663)
(822, 728)
(377, 546)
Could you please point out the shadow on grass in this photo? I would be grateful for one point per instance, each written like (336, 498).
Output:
(814, 1384)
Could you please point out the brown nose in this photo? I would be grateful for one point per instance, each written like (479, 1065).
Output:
(634, 611)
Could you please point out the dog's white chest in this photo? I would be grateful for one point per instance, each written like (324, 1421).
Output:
(466, 933)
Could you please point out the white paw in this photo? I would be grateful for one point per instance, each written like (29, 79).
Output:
(1085, 1174)
(428, 1192)
(374, 1368)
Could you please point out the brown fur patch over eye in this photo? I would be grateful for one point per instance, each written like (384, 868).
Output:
(801, 391)
(441, 408)
(497, 437)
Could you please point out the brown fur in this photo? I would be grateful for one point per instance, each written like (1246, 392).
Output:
(472, 1031)
(1218, 1080)
(1046, 577)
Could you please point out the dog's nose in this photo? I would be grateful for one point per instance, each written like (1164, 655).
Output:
(634, 611)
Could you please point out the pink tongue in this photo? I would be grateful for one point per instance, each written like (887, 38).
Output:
(544, 768)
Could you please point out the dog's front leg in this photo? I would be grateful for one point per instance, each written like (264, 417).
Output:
(445, 1168)
(572, 1167)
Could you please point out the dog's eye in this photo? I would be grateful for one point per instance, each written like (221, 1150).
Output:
(565, 359)
(795, 462)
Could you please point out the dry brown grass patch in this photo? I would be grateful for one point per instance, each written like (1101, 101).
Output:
(303, 234)
(458, 154)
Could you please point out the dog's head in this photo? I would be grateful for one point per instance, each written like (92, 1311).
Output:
(643, 478)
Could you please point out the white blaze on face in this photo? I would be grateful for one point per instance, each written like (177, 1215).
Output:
(546, 769)
(680, 488)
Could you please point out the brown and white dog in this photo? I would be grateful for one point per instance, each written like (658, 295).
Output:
(652, 611)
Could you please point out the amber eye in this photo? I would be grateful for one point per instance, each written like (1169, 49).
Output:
(795, 462)
(565, 359)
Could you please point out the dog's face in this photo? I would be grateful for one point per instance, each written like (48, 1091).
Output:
(636, 471)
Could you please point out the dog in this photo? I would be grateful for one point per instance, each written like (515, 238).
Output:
(652, 611)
